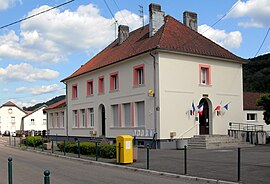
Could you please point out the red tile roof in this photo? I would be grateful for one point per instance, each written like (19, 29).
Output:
(56, 105)
(9, 103)
(250, 99)
(173, 36)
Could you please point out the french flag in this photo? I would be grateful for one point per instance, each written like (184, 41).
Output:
(200, 109)
(193, 108)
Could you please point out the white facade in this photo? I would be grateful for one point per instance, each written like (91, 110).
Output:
(255, 117)
(56, 120)
(36, 120)
(10, 118)
(177, 86)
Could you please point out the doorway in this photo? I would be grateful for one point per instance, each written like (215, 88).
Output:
(103, 119)
(204, 117)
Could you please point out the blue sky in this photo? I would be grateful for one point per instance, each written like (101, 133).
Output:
(37, 53)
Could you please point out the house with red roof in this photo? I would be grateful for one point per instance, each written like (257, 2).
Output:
(56, 118)
(11, 117)
(162, 81)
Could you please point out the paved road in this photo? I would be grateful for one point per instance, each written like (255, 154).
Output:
(28, 167)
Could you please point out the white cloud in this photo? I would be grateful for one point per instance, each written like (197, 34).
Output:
(5, 4)
(257, 11)
(26, 72)
(22, 104)
(51, 37)
(229, 40)
(5, 90)
(37, 90)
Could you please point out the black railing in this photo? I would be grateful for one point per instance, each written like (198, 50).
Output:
(245, 127)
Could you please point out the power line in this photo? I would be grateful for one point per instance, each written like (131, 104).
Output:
(110, 11)
(262, 42)
(21, 20)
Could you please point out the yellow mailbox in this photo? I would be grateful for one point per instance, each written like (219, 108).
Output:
(126, 149)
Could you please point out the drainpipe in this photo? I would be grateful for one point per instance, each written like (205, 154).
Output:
(155, 101)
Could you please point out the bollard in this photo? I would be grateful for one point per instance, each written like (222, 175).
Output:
(239, 165)
(79, 150)
(10, 139)
(147, 147)
(96, 151)
(46, 177)
(9, 170)
(64, 147)
(42, 141)
(119, 153)
(185, 159)
(20, 142)
(14, 141)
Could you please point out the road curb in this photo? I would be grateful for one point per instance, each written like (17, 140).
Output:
(160, 173)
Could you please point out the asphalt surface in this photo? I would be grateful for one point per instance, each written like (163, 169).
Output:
(211, 164)
(28, 167)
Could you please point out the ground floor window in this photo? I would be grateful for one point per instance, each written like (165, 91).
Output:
(90, 117)
(75, 118)
(251, 117)
(140, 112)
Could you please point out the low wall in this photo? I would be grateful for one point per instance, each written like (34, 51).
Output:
(249, 136)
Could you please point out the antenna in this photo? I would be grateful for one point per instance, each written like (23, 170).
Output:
(141, 14)
(115, 23)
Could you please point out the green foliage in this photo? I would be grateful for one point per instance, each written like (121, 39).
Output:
(256, 74)
(89, 148)
(264, 101)
(34, 141)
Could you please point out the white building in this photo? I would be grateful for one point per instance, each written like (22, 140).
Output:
(145, 82)
(56, 119)
(10, 117)
(36, 120)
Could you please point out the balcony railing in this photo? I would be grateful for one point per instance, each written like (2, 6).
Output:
(245, 127)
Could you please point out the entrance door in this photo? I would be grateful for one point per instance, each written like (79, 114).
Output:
(204, 118)
(103, 120)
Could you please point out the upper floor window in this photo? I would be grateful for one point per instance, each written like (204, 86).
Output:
(101, 85)
(251, 117)
(90, 89)
(205, 74)
(74, 91)
(32, 121)
(139, 75)
(12, 119)
(114, 81)
(44, 121)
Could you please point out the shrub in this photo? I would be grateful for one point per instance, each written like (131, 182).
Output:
(89, 148)
(34, 141)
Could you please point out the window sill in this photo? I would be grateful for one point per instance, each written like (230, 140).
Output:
(75, 98)
(205, 85)
(126, 127)
(101, 93)
(114, 91)
(138, 85)
(88, 96)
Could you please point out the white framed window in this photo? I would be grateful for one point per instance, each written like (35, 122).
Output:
(127, 114)
(205, 74)
(62, 119)
(32, 121)
(251, 116)
(91, 117)
(83, 122)
(75, 118)
(140, 116)
(115, 115)
(44, 121)
(57, 119)
(52, 120)
(138, 75)
(12, 119)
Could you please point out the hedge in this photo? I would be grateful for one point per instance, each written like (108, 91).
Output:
(34, 141)
(89, 148)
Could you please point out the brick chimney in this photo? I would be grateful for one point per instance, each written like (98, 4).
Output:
(190, 20)
(123, 33)
(156, 18)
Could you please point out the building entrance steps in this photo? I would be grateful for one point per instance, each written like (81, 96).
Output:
(215, 142)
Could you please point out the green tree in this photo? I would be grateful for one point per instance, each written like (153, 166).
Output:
(264, 101)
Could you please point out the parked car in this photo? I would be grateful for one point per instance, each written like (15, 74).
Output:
(6, 133)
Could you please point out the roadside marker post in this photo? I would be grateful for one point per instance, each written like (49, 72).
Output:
(9, 170)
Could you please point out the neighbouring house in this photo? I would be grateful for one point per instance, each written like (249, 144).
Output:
(56, 118)
(253, 114)
(35, 121)
(162, 81)
(11, 117)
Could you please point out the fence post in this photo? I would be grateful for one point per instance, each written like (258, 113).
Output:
(26, 143)
(9, 170)
(185, 160)
(52, 146)
(64, 147)
(239, 165)
(147, 156)
(14, 141)
(96, 151)
(10, 139)
(20, 141)
(79, 150)
(42, 141)
(119, 152)
(46, 177)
